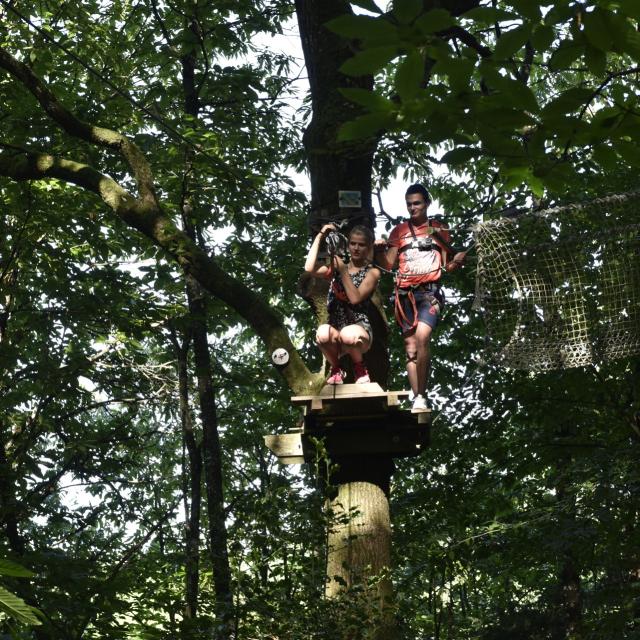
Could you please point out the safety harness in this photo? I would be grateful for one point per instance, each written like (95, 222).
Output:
(433, 289)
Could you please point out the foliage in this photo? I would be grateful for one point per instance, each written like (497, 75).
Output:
(529, 492)
(540, 92)
(10, 604)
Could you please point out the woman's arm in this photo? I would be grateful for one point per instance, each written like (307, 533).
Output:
(359, 294)
(311, 264)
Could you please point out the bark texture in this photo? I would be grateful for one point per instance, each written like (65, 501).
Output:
(333, 166)
(359, 553)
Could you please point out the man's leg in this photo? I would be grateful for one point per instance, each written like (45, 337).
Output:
(411, 350)
(423, 361)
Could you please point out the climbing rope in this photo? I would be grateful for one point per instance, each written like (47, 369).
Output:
(560, 288)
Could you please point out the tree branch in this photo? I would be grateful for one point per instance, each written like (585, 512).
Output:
(78, 128)
(149, 219)
(466, 38)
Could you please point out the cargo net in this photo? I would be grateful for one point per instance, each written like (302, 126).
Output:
(561, 288)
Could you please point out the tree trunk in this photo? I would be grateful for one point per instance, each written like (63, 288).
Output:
(332, 166)
(212, 467)
(193, 472)
(211, 450)
(359, 541)
(568, 625)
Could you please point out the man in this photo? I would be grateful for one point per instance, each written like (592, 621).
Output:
(422, 249)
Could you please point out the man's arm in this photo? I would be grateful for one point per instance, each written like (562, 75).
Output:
(385, 254)
(456, 263)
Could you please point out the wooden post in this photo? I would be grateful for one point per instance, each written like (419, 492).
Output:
(359, 541)
(363, 429)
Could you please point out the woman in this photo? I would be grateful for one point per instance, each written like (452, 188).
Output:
(352, 285)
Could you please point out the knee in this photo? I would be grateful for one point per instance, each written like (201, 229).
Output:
(349, 340)
(412, 354)
(325, 334)
(352, 339)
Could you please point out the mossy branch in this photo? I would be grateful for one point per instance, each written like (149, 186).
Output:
(149, 219)
(74, 126)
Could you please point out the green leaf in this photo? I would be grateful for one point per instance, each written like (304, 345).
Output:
(497, 142)
(8, 568)
(542, 37)
(597, 29)
(502, 117)
(368, 61)
(458, 70)
(631, 44)
(630, 8)
(459, 155)
(369, 5)
(359, 27)
(512, 176)
(569, 101)
(489, 15)
(410, 75)
(527, 8)
(559, 12)
(434, 21)
(629, 151)
(514, 93)
(565, 55)
(369, 99)
(367, 126)
(559, 176)
(511, 41)
(406, 10)
(605, 156)
(536, 185)
(596, 60)
(17, 608)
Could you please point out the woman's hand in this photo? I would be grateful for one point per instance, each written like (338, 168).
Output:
(326, 229)
(339, 266)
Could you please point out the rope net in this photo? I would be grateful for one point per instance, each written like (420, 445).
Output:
(561, 288)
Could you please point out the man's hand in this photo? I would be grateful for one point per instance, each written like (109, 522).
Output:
(457, 262)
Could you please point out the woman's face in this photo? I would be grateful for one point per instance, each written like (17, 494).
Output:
(358, 246)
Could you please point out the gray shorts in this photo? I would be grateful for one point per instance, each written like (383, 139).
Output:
(427, 312)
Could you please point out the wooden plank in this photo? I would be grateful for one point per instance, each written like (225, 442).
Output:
(344, 392)
(350, 390)
(285, 445)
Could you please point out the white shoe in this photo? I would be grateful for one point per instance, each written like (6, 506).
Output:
(419, 404)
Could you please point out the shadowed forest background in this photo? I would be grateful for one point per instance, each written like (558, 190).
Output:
(151, 241)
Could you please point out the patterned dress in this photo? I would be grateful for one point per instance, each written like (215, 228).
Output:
(341, 312)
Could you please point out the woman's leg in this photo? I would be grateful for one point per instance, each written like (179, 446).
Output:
(328, 341)
(355, 341)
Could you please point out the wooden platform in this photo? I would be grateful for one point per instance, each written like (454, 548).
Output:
(353, 420)
(332, 394)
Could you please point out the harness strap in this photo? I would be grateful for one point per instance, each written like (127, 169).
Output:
(401, 316)
(434, 296)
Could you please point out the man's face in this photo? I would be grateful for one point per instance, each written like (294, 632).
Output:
(417, 207)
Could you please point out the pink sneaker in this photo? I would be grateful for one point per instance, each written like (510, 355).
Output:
(336, 376)
(361, 373)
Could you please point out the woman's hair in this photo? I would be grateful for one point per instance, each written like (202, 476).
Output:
(363, 231)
